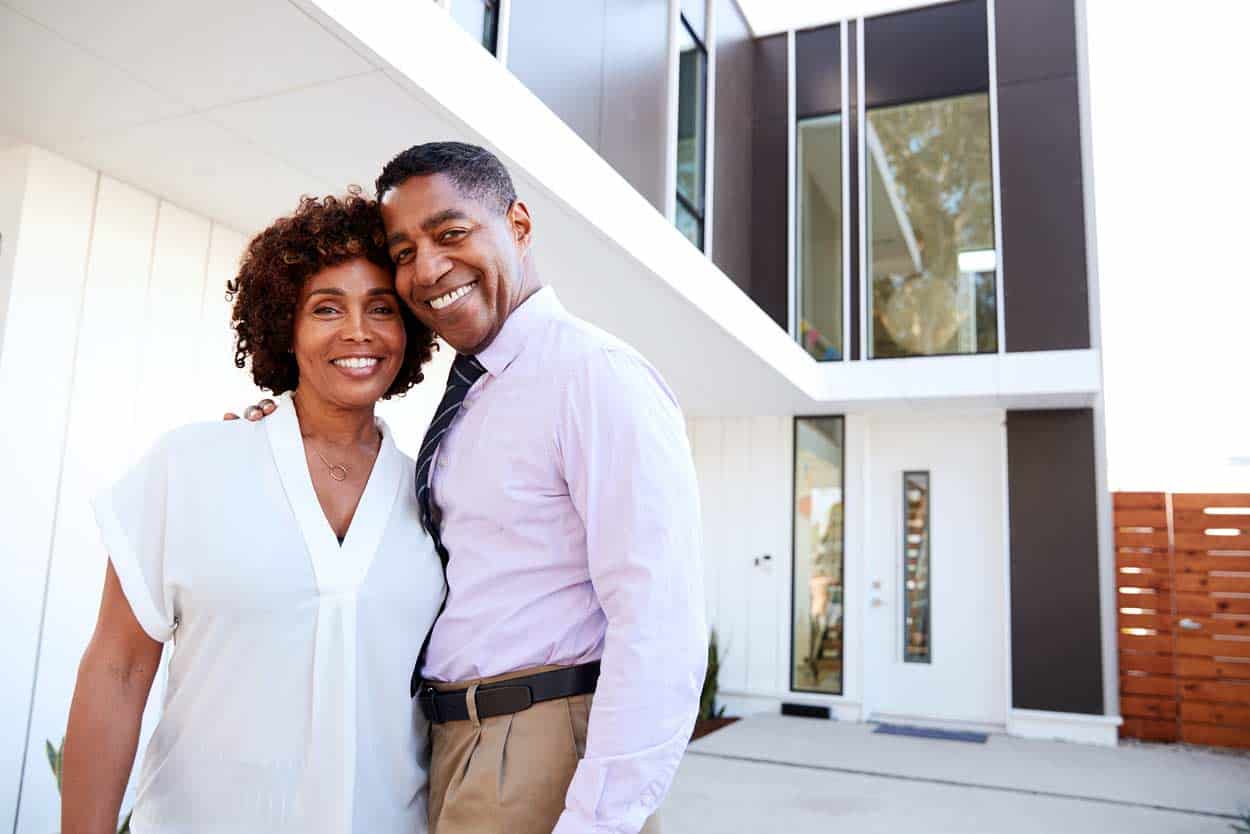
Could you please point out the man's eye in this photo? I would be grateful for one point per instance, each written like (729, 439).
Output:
(452, 234)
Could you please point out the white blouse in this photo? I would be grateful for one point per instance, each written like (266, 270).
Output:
(287, 706)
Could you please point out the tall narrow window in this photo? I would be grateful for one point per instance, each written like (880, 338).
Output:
(817, 637)
(929, 189)
(691, 132)
(819, 192)
(820, 236)
(917, 618)
(480, 18)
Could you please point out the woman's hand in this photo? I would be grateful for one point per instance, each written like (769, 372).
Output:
(114, 679)
(256, 412)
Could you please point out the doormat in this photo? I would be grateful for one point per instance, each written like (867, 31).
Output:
(929, 732)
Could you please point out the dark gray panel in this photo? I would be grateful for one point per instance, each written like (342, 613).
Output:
(635, 94)
(1056, 635)
(1044, 265)
(818, 71)
(569, 79)
(695, 12)
(1035, 39)
(769, 191)
(928, 53)
(732, 209)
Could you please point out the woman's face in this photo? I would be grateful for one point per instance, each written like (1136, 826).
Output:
(349, 338)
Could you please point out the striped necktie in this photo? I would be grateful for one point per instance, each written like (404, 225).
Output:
(465, 371)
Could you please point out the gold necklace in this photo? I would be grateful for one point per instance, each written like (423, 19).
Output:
(338, 471)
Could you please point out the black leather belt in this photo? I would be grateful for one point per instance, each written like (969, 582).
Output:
(508, 696)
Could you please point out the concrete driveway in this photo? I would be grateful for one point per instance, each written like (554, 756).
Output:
(797, 775)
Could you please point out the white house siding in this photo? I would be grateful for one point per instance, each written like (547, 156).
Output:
(117, 329)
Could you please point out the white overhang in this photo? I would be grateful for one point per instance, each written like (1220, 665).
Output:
(233, 109)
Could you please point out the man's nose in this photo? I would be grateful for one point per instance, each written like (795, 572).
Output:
(430, 267)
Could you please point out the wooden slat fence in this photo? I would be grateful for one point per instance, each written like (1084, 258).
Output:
(1183, 598)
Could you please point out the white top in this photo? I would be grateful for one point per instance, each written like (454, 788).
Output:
(287, 706)
(570, 511)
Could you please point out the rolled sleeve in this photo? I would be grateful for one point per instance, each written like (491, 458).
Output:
(628, 466)
(131, 516)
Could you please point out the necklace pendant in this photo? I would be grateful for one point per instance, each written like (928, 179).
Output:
(338, 472)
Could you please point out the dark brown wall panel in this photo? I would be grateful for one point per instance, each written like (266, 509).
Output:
(1056, 635)
(732, 209)
(1044, 264)
(1036, 39)
(932, 52)
(569, 80)
(602, 67)
(635, 94)
(769, 192)
(818, 72)
(1045, 268)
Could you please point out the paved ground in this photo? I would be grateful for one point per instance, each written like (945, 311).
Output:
(795, 776)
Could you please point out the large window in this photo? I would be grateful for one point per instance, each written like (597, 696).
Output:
(480, 18)
(691, 132)
(817, 637)
(930, 214)
(820, 236)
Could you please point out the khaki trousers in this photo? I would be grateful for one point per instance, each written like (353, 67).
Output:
(507, 774)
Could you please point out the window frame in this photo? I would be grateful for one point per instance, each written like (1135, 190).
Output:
(682, 200)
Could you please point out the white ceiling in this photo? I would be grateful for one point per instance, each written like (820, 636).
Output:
(767, 17)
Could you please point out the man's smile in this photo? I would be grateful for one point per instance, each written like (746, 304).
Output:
(448, 298)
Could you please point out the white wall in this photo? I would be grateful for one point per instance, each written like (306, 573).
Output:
(117, 330)
(1171, 224)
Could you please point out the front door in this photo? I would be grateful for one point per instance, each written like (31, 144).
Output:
(934, 635)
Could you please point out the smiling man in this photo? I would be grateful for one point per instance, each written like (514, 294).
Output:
(562, 678)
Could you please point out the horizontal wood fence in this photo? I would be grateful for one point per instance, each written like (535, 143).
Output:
(1183, 600)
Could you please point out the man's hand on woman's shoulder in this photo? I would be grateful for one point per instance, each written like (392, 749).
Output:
(256, 412)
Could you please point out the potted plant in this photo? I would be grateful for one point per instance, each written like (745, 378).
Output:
(711, 718)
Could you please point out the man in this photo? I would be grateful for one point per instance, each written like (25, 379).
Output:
(562, 678)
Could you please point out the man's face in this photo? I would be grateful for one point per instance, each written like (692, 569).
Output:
(458, 261)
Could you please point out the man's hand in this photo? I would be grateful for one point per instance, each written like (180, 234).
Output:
(256, 412)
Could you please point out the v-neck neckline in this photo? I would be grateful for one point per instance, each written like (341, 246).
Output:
(338, 567)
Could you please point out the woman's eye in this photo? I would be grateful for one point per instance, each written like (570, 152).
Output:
(325, 311)
(383, 310)
(403, 256)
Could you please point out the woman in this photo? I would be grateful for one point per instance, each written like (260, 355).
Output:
(286, 562)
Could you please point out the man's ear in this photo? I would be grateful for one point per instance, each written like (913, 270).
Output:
(522, 225)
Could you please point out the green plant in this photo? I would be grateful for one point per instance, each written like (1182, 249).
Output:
(707, 698)
(56, 760)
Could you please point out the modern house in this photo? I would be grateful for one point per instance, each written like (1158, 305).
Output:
(861, 253)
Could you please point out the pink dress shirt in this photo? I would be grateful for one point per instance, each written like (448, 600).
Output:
(570, 510)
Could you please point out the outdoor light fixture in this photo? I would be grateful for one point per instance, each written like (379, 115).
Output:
(978, 260)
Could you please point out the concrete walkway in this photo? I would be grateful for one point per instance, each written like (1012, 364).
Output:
(796, 775)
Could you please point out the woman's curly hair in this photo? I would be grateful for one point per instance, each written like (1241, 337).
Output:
(320, 234)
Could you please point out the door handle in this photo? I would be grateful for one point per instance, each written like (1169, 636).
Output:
(876, 602)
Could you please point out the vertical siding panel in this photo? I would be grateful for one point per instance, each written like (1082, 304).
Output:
(735, 566)
(781, 512)
(105, 376)
(707, 450)
(167, 389)
(35, 367)
(761, 519)
(223, 387)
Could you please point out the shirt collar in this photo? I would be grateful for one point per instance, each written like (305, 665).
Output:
(517, 329)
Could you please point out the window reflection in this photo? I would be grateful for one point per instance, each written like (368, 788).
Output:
(818, 513)
(820, 236)
(691, 129)
(917, 617)
(930, 215)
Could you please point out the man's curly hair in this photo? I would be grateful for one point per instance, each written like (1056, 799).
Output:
(321, 233)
